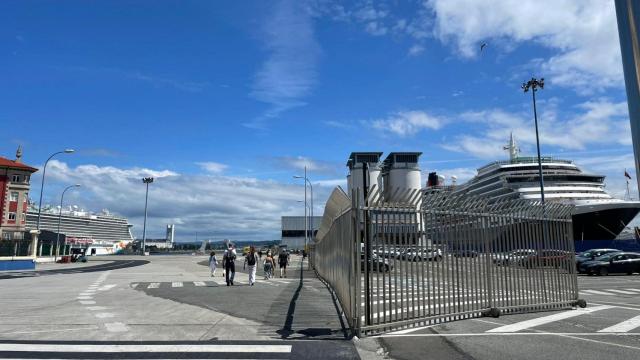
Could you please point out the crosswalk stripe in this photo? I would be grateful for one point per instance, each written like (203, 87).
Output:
(596, 292)
(144, 348)
(176, 284)
(622, 291)
(153, 286)
(624, 326)
(634, 290)
(199, 283)
(522, 325)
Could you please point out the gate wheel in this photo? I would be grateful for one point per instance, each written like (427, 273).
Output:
(581, 303)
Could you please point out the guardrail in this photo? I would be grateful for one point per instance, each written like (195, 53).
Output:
(441, 257)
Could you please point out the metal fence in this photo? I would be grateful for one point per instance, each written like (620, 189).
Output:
(438, 257)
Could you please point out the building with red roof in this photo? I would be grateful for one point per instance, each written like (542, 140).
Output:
(15, 178)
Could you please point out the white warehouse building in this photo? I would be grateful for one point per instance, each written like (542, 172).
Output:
(293, 230)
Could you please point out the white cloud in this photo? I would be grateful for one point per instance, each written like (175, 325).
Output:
(214, 206)
(212, 167)
(416, 50)
(375, 28)
(289, 73)
(598, 121)
(407, 123)
(583, 35)
(298, 163)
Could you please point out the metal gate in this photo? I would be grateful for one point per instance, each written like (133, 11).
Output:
(440, 257)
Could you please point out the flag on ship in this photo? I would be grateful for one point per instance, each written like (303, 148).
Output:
(626, 174)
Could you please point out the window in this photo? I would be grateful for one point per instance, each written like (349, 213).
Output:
(6, 236)
(12, 216)
(14, 196)
(15, 178)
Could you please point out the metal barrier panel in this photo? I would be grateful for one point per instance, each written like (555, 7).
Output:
(440, 257)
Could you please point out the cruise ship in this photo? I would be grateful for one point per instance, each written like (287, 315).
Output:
(596, 216)
(99, 233)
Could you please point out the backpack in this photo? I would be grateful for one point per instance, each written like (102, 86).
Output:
(251, 259)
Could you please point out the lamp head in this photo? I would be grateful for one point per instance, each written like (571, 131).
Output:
(298, 177)
(68, 151)
(147, 180)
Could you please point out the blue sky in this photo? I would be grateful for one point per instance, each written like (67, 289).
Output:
(224, 102)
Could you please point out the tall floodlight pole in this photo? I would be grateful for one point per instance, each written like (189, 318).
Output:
(44, 172)
(307, 181)
(146, 181)
(60, 219)
(534, 84)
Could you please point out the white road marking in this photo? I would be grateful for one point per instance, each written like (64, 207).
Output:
(143, 348)
(107, 287)
(622, 291)
(96, 308)
(51, 330)
(596, 292)
(634, 290)
(87, 302)
(153, 286)
(199, 283)
(522, 325)
(103, 315)
(84, 298)
(176, 284)
(116, 327)
(624, 326)
(539, 333)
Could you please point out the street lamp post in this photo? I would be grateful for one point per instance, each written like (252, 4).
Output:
(44, 172)
(147, 181)
(59, 220)
(307, 181)
(534, 84)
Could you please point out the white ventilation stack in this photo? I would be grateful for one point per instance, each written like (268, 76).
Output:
(400, 174)
(356, 164)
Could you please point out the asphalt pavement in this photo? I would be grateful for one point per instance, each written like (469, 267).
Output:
(609, 327)
(167, 307)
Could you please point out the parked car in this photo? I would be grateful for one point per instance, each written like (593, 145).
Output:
(515, 257)
(465, 253)
(425, 255)
(548, 257)
(591, 255)
(376, 263)
(612, 263)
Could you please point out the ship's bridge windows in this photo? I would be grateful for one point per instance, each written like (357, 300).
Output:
(564, 178)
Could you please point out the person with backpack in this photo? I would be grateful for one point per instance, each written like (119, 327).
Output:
(283, 260)
(269, 265)
(252, 260)
(213, 263)
(228, 261)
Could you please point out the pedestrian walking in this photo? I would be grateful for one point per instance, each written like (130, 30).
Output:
(260, 254)
(252, 261)
(269, 265)
(229, 259)
(283, 261)
(213, 263)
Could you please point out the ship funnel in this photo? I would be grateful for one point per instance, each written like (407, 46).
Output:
(360, 163)
(400, 174)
